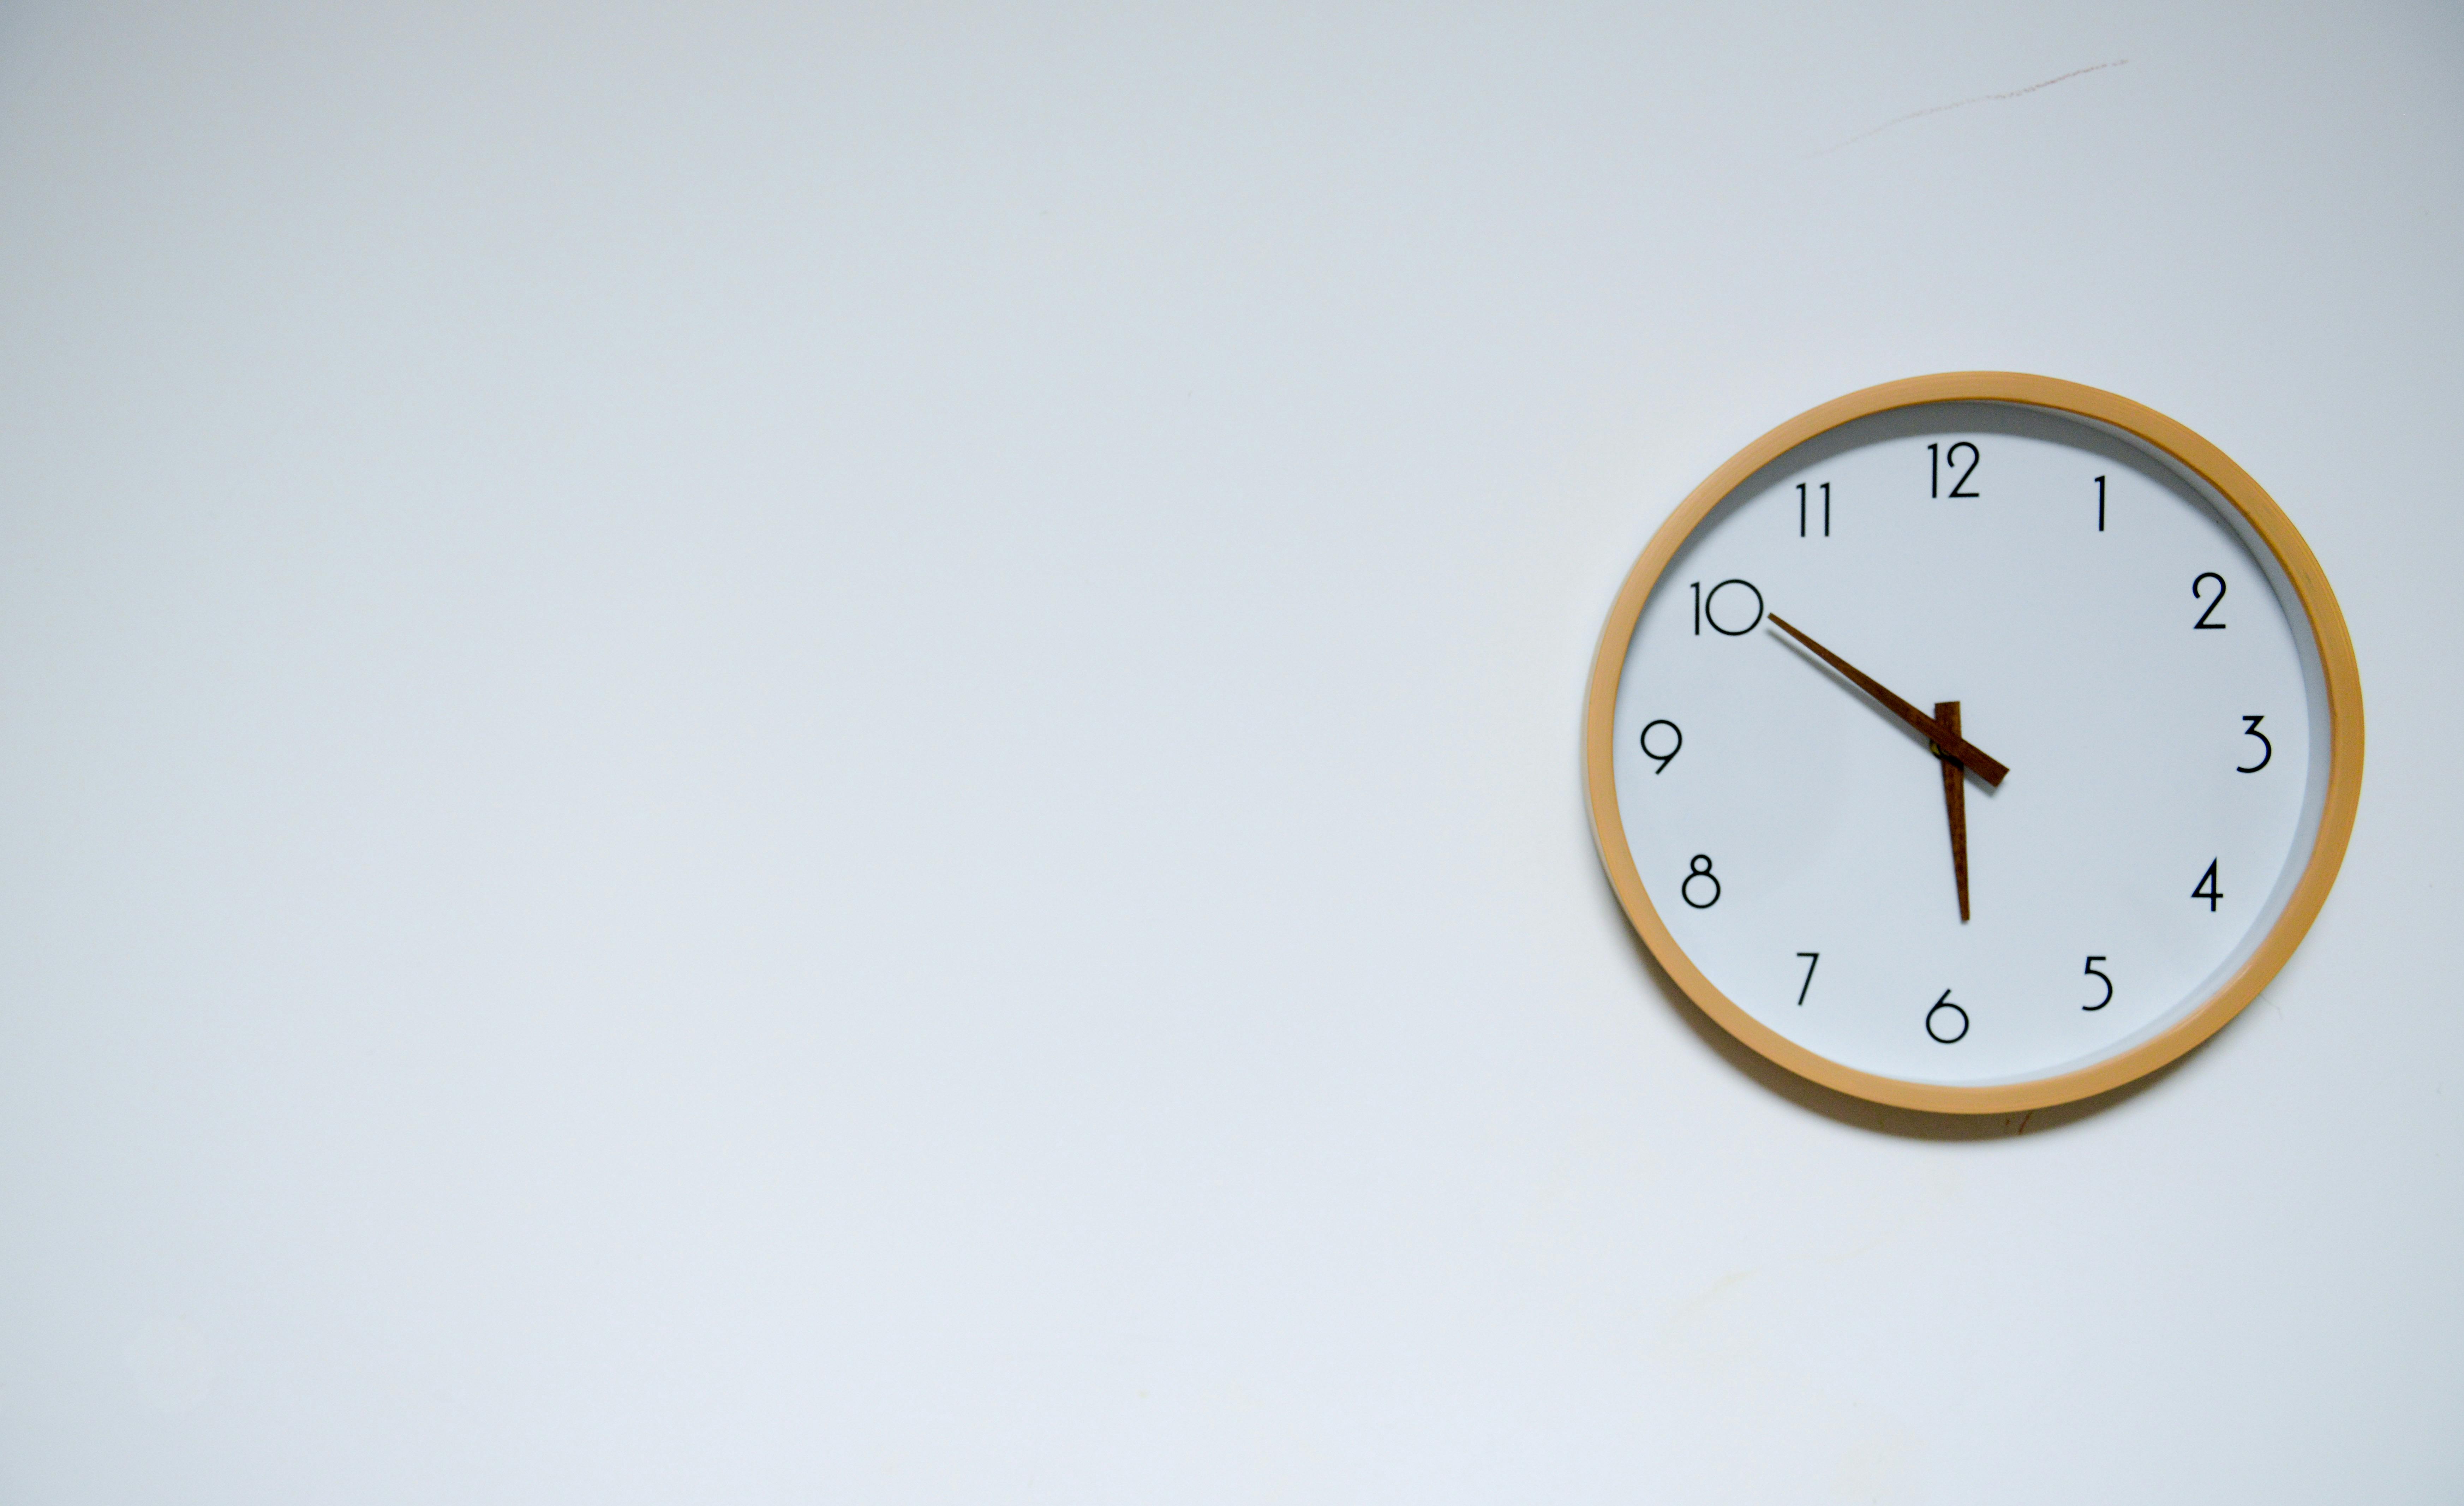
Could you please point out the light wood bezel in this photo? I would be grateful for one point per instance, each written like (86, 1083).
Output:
(2343, 689)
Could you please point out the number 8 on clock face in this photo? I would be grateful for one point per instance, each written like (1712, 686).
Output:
(1975, 742)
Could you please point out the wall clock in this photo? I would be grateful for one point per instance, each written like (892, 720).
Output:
(1975, 742)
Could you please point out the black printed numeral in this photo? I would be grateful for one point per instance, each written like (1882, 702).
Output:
(2097, 974)
(1706, 608)
(1948, 460)
(2099, 504)
(2208, 889)
(1946, 1022)
(1699, 871)
(2198, 595)
(1801, 500)
(1813, 960)
(1675, 740)
(2266, 748)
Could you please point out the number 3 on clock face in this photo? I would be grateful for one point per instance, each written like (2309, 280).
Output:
(1975, 742)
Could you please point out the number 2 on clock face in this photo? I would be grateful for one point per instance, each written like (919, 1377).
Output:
(2043, 593)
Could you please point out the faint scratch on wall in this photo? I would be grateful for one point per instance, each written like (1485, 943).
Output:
(1982, 98)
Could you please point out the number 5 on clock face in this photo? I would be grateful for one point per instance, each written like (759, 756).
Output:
(2009, 651)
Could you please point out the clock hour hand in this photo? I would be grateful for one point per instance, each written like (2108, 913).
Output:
(1947, 740)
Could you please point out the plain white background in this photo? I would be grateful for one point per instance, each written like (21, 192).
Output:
(828, 754)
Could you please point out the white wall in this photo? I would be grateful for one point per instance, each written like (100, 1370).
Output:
(829, 754)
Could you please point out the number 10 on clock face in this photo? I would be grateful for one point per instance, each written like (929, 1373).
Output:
(1963, 744)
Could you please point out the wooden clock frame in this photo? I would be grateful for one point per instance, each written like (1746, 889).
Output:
(2327, 630)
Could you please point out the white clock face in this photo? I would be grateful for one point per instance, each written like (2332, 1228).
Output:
(2113, 632)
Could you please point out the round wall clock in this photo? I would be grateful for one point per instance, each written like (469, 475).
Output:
(1974, 743)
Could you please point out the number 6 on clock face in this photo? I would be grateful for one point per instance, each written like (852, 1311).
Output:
(1963, 703)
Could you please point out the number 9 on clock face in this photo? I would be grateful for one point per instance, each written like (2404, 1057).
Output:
(1975, 742)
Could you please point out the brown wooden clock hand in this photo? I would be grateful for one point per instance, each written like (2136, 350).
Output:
(1947, 740)
(1942, 737)
(1954, 800)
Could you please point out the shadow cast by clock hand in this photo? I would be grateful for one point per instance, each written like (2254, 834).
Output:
(1845, 1108)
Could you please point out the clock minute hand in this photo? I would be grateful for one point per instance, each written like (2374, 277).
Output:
(1949, 742)
(1954, 800)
